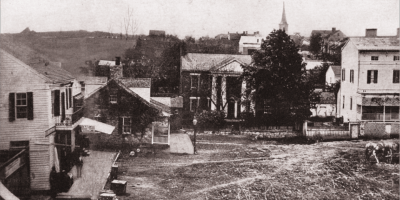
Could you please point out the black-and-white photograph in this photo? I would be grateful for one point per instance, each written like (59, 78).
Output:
(199, 99)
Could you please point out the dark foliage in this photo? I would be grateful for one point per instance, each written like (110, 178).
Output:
(277, 75)
(316, 43)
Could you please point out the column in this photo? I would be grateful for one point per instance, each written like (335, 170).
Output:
(214, 92)
(243, 107)
(235, 109)
(223, 94)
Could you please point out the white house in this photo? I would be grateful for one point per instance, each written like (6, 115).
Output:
(37, 112)
(249, 44)
(370, 79)
(332, 74)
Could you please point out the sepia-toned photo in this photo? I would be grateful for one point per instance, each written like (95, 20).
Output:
(199, 99)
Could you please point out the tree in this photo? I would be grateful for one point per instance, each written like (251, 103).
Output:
(130, 23)
(316, 43)
(277, 79)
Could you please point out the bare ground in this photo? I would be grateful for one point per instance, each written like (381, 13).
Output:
(260, 170)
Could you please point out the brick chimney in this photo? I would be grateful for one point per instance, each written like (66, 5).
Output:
(333, 29)
(371, 32)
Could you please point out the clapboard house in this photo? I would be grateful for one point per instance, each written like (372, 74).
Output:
(37, 113)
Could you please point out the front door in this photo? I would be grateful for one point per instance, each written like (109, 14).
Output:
(354, 130)
(231, 110)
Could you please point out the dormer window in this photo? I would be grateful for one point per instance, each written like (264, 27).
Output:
(374, 57)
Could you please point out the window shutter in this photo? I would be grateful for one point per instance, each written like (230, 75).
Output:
(57, 103)
(67, 94)
(376, 76)
(120, 125)
(29, 96)
(369, 77)
(11, 106)
(62, 106)
(70, 97)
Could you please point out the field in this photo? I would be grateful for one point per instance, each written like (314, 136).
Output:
(234, 167)
(71, 52)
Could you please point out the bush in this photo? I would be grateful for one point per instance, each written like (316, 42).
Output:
(211, 119)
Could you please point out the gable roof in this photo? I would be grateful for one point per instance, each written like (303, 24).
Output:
(234, 36)
(375, 43)
(136, 82)
(336, 69)
(51, 71)
(204, 62)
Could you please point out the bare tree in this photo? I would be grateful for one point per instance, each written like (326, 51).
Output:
(130, 23)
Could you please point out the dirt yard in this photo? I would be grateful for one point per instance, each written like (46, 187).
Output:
(234, 167)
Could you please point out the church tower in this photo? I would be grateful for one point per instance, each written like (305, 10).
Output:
(284, 25)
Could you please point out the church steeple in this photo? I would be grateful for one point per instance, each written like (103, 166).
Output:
(284, 25)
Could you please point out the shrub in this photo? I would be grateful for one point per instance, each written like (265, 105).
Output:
(211, 119)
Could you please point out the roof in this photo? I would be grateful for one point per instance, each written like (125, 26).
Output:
(336, 69)
(173, 102)
(234, 36)
(106, 62)
(311, 64)
(95, 80)
(221, 36)
(376, 43)
(52, 71)
(160, 106)
(136, 82)
(204, 62)
(157, 33)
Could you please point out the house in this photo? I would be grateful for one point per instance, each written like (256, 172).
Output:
(210, 82)
(324, 105)
(249, 44)
(120, 106)
(157, 33)
(38, 112)
(330, 38)
(370, 79)
(332, 74)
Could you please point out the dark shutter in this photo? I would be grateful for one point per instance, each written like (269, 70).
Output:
(11, 107)
(376, 76)
(120, 125)
(70, 97)
(57, 103)
(62, 106)
(30, 105)
(67, 98)
(369, 77)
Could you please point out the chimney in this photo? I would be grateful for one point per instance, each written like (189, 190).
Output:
(117, 60)
(398, 32)
(371, 32)
(333, 29)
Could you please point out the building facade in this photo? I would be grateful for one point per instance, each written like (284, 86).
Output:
(38, 113)
(370, 79)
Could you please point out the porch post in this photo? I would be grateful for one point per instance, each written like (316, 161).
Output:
(223, 94)
(235, 109)
(243, 107)
(384, 114)
(214, 92)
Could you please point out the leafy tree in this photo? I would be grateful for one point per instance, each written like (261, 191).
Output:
(316, 43)
(277, 76)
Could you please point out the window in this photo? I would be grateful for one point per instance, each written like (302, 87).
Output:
(351, 76)
(194, 81)
(374, 57)
(126, 124)
(396, 58)
(351, 103)
(343, 101)
(372, 76)
(113, 96)
(396, 74)
(343, 74)
(194, 103)
(22, 110)
(52, 103)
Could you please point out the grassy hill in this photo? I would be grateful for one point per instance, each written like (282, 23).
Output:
(72, 52)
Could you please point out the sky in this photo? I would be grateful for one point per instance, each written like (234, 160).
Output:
(201, 17)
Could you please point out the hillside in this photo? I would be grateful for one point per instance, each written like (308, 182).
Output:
(72, 52)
